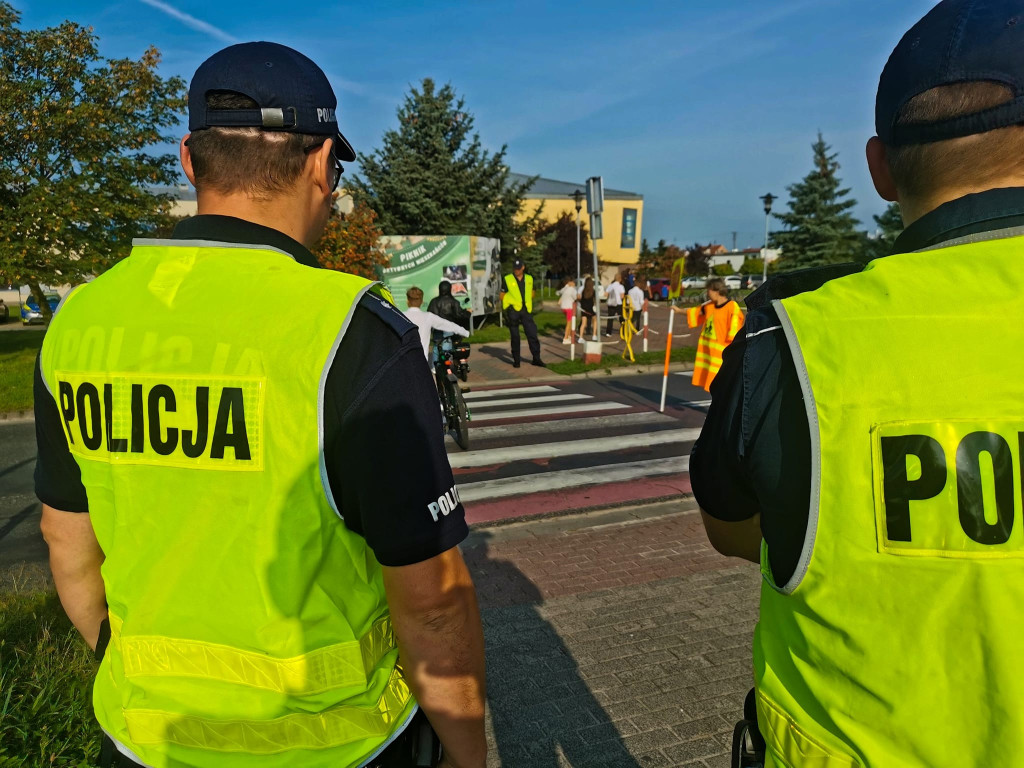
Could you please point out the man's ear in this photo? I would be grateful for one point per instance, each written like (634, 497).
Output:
(186, 159)
(322, 167)
(878, 165)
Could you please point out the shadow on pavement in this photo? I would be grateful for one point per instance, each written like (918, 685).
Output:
(542, 710)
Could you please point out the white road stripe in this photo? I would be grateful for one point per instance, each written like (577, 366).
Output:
(571, 447)
(618, 421)
(505, 392)
(557, 411)
(530, 400)
(572, 478)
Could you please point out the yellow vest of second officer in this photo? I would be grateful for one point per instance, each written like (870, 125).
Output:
(513, 298)
(898, 640)
(249, 626)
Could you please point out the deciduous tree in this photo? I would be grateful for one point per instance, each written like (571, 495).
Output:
(560, 253)
(351, 243)
(77, 159)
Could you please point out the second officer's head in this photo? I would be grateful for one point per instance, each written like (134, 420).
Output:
(264, 143)
(949, 115)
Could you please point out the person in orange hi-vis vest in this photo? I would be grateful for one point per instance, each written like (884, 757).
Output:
(721, 319)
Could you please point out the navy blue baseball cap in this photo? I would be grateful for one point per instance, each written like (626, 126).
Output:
(958, 41)
(292, 92)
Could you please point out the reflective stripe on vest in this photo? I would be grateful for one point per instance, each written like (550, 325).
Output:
(513, 298)
(246, 618)
(342, 665)
(709, 349)
(897, 639)
(331, 728)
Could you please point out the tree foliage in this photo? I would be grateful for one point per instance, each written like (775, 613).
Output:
(752, 265)
(723, 269)
(351, 243)
(890, 226)
(819, 226)
(432, 176)
(560, 251)
(76, 159)
(698, 260)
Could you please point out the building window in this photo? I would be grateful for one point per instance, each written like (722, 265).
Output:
(629, 228)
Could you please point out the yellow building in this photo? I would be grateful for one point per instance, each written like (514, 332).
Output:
(622, 219)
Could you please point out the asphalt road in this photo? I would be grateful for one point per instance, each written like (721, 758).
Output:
(21, 542)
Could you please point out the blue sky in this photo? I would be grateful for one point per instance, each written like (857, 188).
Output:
(700, 105)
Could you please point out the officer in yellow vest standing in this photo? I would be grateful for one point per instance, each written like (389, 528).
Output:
(250, 514)
(873, 468)
(517, 301)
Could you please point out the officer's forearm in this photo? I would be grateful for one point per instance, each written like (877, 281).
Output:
(441, 645)
(75, 560)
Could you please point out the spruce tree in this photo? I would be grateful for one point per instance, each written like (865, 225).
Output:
(889, 226)
(432, 176)
(819, 226)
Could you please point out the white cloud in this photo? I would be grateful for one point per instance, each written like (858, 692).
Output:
(191, 21)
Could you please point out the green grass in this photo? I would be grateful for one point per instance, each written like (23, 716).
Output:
(608, 362)
(46, 673)
(18, 351)
(491, 333)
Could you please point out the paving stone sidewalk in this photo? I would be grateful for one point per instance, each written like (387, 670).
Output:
(614, 639)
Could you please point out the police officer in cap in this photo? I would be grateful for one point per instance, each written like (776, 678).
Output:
(257, 530)
(517, 301)
(874, 471)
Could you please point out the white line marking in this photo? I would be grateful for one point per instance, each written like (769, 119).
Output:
(504, 392)
(616, 421)
(572, 478)
(531, 400)
(571, 448)
(560, 410)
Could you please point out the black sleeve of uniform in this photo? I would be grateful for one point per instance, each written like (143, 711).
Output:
(58, 479)
(754, 453)
(717, 472)
(384, 444)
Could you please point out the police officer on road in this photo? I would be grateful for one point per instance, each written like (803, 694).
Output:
(878, 456)
(517, 301)
(250, 526)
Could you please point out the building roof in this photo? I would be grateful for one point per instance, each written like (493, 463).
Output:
(540, 189)
(548, 188)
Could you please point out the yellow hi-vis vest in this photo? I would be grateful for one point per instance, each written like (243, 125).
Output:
(249, 625)
(513, 298)
(898, 640)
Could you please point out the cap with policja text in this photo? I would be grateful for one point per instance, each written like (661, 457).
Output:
(291, 91)
(958, 41)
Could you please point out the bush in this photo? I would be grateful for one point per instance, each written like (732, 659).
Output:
(723, 269)
(46, 673)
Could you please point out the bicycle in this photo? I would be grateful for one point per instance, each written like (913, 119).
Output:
(450, 365)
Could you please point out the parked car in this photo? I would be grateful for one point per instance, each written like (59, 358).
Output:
(655, 288)
(733, 282)
(30, 308)
(694, 282)
(5, 313)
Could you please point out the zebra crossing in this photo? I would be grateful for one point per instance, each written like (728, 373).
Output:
(543, 449)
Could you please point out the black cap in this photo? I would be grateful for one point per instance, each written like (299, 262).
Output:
(958, 41)
(292, 92)
(518, 264)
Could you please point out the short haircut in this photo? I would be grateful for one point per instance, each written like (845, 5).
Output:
(920, 170)
(414, 296)
(717, 284)
(252, 161)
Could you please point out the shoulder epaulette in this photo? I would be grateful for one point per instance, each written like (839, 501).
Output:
(378, 301)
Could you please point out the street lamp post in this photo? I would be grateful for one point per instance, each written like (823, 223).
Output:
(767, 200)
(577, 197)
